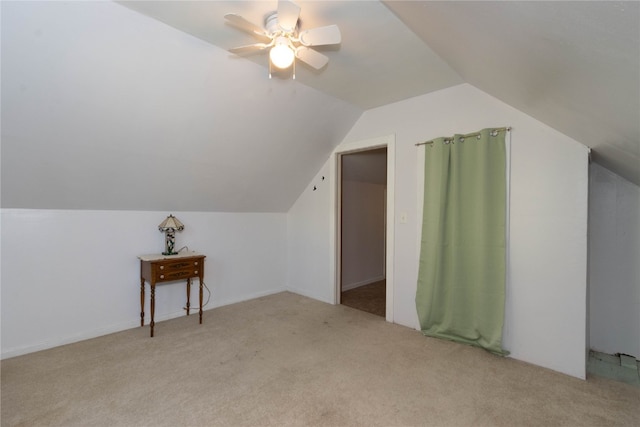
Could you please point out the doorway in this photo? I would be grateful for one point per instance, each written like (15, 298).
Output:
(363, 230)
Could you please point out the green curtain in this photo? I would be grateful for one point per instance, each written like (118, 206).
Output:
(461, 279)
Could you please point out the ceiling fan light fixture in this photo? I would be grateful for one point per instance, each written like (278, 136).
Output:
(281, 54)
(287, 43)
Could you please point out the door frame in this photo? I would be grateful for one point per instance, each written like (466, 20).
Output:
(335, 225)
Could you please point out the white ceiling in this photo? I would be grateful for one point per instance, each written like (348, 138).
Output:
(105, 108)
(379, 61)
(112, 107)
(572, 65)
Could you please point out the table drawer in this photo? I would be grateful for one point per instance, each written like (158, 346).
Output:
(162, 276)
(178, 265)
(178, 269)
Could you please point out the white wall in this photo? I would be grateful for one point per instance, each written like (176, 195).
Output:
(546, 295)
(614, 267)
(309, 239)
(69, 275)
(363, 230)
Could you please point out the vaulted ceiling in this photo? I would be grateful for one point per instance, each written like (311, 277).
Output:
(572, 65)
(138, 105)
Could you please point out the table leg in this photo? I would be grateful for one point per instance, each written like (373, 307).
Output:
(200, 280)
(188, 294)
(153, 306)
(141, 302)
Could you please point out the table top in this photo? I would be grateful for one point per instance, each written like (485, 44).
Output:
(158, 257)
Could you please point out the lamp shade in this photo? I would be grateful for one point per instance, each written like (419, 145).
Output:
(171, 223)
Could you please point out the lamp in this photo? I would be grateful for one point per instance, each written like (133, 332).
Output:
(169, 226)
(281, 54)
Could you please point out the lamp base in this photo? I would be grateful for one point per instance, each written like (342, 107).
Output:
(169, 253)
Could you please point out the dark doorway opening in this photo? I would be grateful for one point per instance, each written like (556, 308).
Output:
(363, 189)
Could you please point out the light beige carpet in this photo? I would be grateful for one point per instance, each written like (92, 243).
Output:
(289, 360)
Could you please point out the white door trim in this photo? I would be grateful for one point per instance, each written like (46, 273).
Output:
(335, 196)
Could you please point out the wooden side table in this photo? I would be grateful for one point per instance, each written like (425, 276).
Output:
(158, 268)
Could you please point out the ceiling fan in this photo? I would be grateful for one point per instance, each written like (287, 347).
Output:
(284, 38)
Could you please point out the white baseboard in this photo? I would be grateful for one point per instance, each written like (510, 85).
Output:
(349, 286)
(44, 345)
(309, 295)
(247, 297)
(122, 326)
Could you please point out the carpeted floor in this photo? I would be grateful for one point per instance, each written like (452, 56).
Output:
(370, 298)
(287, 360)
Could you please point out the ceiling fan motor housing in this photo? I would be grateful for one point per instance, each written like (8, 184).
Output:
(273, 27)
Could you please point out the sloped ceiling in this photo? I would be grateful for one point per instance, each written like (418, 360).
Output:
(379, 61)
(104, 108)
(365, 166)
(141, 107)
(574, 65)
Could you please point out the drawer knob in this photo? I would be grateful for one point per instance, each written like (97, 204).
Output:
(162, 267)
(195, 263)
(195, 272)
(162, 276)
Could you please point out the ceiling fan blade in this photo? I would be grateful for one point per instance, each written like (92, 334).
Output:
(311, 57)
(320, 36)
(245, 25)
(288, 13)
(249, 48)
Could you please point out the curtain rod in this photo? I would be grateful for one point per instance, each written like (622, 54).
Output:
(508, 129)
